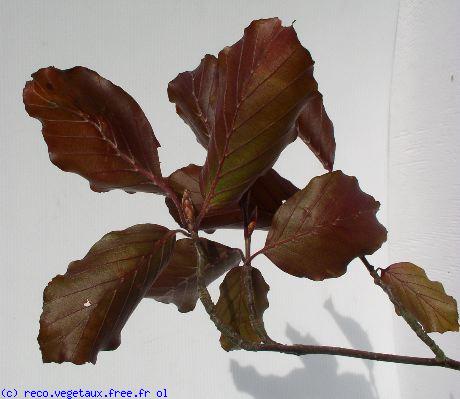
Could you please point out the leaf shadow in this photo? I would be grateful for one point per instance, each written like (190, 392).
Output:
(318, 378)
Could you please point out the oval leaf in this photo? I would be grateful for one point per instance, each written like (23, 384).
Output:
(267, 193)
(177, 282)
(426, 300)
(232, 307)
(85, 310)
(322, 228)
(95, 129)
(316, 130)
(265, 79)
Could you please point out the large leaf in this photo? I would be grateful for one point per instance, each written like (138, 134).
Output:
(194, 93)
(177, 283)
(267, 193)
(319, 230)
(85, 309)
(94, 128)
(265, 79)
(426, 300)
(232, 307)
(317, 131)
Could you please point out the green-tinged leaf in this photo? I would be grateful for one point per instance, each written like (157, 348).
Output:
(95, 129)
(85, 309)
(321, 229)
(317, 131)
(267, 193)
(232, 307)
(265, 79)
(195, 95)
(177, 282)
(426, 300)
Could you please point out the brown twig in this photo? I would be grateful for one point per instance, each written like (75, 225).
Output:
(303, 350)
(182, 231)
(255, 321)
(205, 297)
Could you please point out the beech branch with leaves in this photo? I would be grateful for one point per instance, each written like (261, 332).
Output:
(244, 107)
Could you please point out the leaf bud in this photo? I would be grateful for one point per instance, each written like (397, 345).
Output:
(188, 209)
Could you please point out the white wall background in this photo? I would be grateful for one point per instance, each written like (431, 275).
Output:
(49, 218)
(424, 184)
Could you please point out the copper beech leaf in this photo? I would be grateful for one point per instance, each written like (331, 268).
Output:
(265, 79)
(318, 231)
(177, 282)
(95, 129)
(85, 309)
(316, 130)
(232, 307)
(426, 300)
(267, 193)
(194, 93)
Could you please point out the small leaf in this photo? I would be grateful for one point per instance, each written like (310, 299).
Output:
(232, 307)
(194, 93)
(317, 131)
(426, 300)
(85, 310)
(177, 283)
(95, 129)
(321, 229)
(265, 79)
(268, 193)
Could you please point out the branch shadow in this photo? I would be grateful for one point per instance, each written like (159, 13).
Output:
(355, 335)
(318, 378)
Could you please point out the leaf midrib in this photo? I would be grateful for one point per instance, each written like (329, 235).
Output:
(229, 133)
